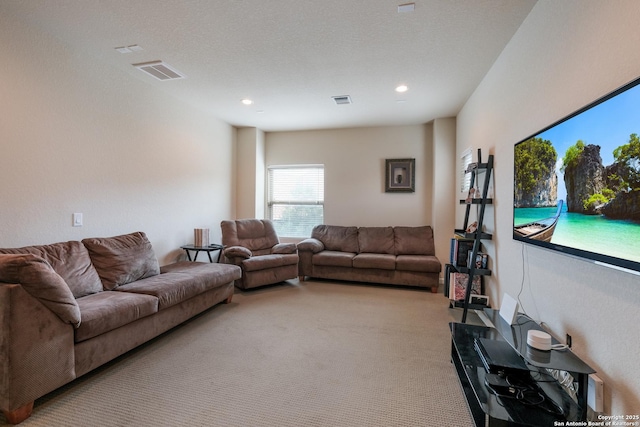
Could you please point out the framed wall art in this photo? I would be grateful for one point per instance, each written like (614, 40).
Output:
(400, 175)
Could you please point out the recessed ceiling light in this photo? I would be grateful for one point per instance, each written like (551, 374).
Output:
(247, 101)
(402, 88)
(123, 49)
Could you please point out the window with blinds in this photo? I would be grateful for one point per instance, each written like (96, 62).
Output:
(295, 199)
(465, 178)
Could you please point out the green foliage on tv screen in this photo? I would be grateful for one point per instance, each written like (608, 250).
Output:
(535, 161)
(628, 158)
(572, 155)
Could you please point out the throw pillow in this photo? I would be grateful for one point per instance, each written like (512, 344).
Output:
(38, 278)
(414, 240)
(71, 261)
(377, 240)
(122, 259)
(336, 237)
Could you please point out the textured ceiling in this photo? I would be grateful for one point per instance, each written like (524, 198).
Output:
(292, 56)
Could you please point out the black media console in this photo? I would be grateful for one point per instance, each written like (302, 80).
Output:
(513, 398)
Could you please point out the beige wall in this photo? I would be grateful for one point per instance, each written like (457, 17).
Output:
(444, 195)
(354, 161)
(250, 174)
(77, 136)
(565, 55)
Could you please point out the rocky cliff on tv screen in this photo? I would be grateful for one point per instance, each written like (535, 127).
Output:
(577, 182)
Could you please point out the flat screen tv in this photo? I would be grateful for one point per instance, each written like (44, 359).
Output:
(577, 182)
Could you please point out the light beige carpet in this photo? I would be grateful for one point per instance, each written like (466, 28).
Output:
(309, 354)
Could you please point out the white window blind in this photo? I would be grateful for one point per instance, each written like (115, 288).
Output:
(295, 200)
(465, 178)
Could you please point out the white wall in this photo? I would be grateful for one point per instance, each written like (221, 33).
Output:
(565, 55)
(78, 136)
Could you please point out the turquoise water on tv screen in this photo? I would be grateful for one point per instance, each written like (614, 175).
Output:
(593, 233)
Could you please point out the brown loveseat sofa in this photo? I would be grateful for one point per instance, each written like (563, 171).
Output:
(388, 255)
(67, 308)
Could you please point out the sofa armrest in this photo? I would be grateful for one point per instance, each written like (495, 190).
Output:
(237, 252)
(36, 349)
(306, 249)
(39, 279)
(311, 245)
(284, 248)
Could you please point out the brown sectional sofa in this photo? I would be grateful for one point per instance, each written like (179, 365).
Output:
(67, 308)
(387, 255)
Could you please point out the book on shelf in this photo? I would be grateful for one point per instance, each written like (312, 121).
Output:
(482, 260)
(458, 286)
(459, 251)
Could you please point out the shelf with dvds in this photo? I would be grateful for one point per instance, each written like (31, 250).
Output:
(467, 261)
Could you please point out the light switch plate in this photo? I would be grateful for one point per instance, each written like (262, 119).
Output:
(77, 220)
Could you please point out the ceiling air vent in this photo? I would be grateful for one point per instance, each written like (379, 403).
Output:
(160, 70)
(340, 100)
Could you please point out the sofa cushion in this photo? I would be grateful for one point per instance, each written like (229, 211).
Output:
(71, 261)
(217, 272)
(333, 259)
(378, 240)
(414, 240)
(109, 310)
(183, 280)
(259, 236)
(122, 259)
(262, 262)
(337, 238)
(380, 261)
(425, 263)
(38, 278)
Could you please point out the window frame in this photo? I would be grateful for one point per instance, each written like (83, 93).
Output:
(270, 203)
(466, 158)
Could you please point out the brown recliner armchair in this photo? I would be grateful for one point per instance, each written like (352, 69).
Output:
(253, 245)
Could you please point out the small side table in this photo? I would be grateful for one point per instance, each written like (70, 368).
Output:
(198, 249)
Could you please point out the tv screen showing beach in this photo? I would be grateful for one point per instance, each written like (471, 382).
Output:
(577, 182)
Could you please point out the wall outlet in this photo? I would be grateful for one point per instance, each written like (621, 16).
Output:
(595, 393)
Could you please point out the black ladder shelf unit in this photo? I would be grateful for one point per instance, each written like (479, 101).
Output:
(482, 201)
